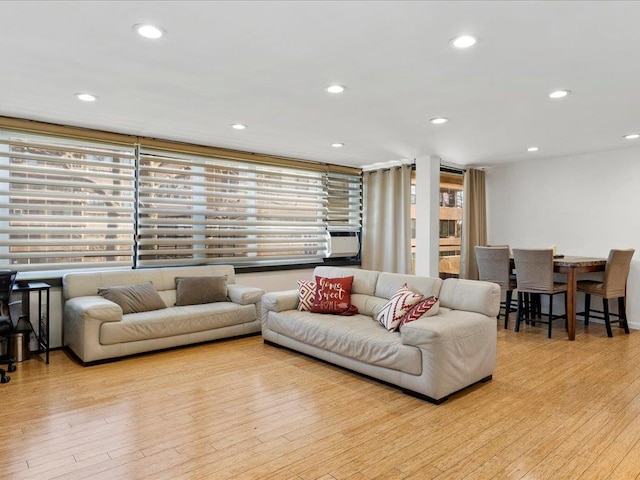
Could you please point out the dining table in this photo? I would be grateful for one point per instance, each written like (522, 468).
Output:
(572, 266)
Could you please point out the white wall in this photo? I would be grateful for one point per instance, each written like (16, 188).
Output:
(427, 216)
(584, 204)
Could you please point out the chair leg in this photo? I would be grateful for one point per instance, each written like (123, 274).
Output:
(507, 308)
(3, 377)
(587, 307)
(550, 314)
(622, 311)
(519, 311)
(566, 315)
(607, 320)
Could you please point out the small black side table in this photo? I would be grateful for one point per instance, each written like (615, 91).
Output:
(43, 313)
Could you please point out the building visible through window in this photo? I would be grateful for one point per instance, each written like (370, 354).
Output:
(451, 200)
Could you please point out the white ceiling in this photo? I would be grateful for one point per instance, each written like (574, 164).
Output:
(265, 64)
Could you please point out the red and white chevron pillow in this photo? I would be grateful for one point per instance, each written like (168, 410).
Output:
(306, 294)
(425, 308)
(397, 307)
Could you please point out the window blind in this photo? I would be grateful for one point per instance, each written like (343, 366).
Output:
(199, 209)
(65, 204)
(344, 209)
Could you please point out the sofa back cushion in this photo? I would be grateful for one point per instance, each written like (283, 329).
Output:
(364, 281)
(79, 284)
(389, 283)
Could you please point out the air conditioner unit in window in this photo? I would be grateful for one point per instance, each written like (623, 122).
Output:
(343, 245)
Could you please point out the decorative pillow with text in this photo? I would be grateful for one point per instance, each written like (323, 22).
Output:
(397, 307)
(333, 295)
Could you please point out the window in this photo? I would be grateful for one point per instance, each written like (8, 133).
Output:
(74, 198)
(451, 202)
(65, 204)
(212, 210)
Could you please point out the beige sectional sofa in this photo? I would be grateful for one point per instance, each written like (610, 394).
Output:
(431, 357)
(96, 329)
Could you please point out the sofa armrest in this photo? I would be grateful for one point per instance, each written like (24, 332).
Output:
(93, 307)
(83, 317)
(280, 301)
(447, 327)
(244, 295)
(471, 295)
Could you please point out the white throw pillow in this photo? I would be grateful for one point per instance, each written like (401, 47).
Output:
(397, 307)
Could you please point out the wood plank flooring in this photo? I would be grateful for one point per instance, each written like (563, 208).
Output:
(239, 409)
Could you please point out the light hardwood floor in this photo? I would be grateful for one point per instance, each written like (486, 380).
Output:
(241, 409)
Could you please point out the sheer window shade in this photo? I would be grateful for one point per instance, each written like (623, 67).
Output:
(65, 204)
(344, 211)
(196, 209)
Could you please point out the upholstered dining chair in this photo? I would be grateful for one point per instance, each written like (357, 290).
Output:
(613, 286)
(494, 265)
(7, 279)
(534, 268)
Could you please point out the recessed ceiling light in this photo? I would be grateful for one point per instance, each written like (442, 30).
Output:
(464, 41)
(337, 145)
(335, 88)
(148, 31)
(439, 120)
(532, 149)
(238, 126)
(632, 136)
(86, 97)
(559, 93)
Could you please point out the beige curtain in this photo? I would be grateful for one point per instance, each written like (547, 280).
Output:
(474, 222)
(386, 223)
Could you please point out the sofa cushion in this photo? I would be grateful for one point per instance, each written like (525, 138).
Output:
(175, 321)
(397, 307)
(358, 337)
(333, 295)
(133, 298)
(199, 290)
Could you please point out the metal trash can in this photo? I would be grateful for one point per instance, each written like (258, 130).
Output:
(19, 346)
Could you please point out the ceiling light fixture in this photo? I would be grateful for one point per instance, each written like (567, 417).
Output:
(238, 126)
(337, 145)
(148, 31)
(86, 97)
(464, 41)
(632, 136)
(559, 93)
(335, 88)
(439, 120)
(532, 149)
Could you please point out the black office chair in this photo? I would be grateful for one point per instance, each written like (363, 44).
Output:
(7, 279)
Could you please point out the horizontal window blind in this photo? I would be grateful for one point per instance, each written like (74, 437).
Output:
(65, 204)
(198, 209)
(344, 207)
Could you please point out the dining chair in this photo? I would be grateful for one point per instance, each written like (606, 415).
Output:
(534, 269)
(7, 279)
(494, 265)
(613, 286)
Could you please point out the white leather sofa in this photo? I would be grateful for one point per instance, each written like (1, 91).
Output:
(431, 357)
(95, 328)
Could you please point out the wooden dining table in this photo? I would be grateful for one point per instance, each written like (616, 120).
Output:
(573, 266)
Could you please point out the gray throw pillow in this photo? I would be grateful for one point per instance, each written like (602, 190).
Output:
(134, 298)
(198, 290)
